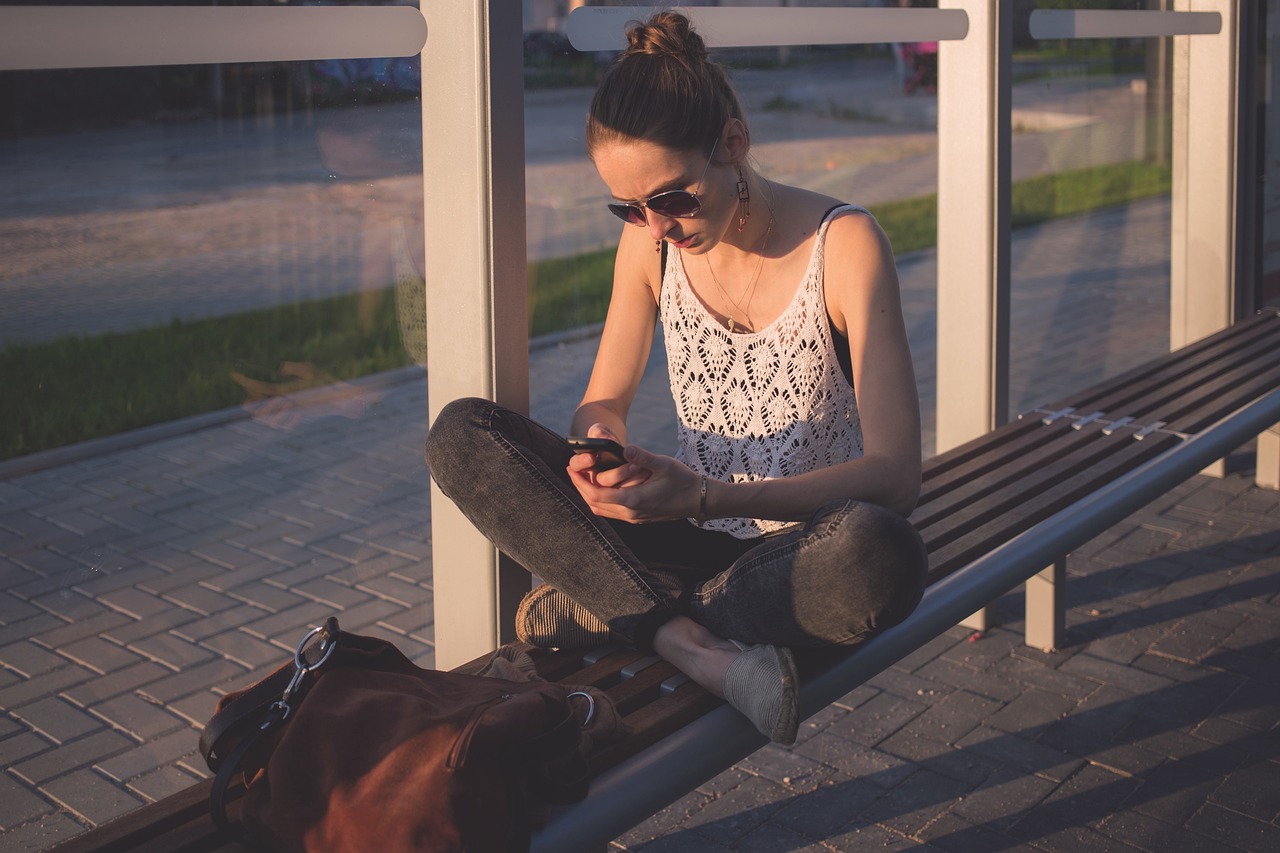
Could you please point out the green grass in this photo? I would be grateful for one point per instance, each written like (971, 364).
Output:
(565, 293)
(912, 224)
(75, 389)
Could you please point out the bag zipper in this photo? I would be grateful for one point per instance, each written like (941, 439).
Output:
(460, 746)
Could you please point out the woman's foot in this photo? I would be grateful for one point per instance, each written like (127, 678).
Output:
(759, 681)
(549, 619)
(762, 684)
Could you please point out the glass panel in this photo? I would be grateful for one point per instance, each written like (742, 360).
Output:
(1091, 208)
(857, 123)
(212, 436)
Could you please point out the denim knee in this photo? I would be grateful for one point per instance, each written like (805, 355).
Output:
(884, 564)
(455, 435)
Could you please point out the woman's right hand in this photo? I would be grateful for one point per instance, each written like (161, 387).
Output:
(583, 465)
(651, 488)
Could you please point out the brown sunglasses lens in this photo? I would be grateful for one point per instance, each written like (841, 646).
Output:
(627, 212)
(678, 204)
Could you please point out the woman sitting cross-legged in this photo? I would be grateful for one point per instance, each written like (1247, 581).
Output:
(780, 522)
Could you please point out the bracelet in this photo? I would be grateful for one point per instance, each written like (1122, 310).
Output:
(702, 501)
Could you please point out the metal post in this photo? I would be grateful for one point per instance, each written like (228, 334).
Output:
(1267, 473)
(1046, 615)
(477, 307)
(1204, 177)
(974, 132)
(973, 224)
(1202, 250)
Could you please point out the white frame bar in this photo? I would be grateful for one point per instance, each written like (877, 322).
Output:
(477, 303)
(1118, 23)
(592, 28)
(47, 37)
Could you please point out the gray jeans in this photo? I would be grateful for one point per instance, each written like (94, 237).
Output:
(853, 569)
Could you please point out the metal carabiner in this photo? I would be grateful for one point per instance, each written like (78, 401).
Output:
(302, 668)
(326, 647)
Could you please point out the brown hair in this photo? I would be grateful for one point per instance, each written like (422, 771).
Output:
(663, 89)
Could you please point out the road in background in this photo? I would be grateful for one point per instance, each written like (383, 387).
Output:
(121, 229)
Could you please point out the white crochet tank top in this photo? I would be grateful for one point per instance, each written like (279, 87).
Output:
(760, 405)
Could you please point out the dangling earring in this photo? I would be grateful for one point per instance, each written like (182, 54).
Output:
(657, 245)
(744, 200)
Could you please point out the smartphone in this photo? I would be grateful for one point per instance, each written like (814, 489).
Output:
(608, 452)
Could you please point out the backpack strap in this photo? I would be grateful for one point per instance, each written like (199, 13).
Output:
(250, 707)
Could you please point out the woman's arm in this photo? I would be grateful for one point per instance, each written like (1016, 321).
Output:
(625, 341)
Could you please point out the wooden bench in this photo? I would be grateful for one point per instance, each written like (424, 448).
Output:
(999, 511)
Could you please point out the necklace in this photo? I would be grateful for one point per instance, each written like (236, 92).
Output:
(749, 293)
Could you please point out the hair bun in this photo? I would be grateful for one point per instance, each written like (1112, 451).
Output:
(666, 34)
(663, 88)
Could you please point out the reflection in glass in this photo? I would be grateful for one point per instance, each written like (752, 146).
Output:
(213, 195)
(1091, 209)
(230, 257)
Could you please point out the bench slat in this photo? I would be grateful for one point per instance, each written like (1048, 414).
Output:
(1203, 386)
(1115, 397)
(1005, 489)
(1001, 470)
(604, 674)
(647, 712)
(1031, 509)
(1026, 439)
(655, 721)
(1197, 418)
(645, 687)
(180, 821)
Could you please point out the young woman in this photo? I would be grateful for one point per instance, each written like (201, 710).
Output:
(780, 522)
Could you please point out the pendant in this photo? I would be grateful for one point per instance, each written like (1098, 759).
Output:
(729, 324)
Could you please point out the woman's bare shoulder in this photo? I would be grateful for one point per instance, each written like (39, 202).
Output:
(638, 260)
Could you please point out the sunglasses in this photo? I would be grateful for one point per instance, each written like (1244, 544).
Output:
(676, 204)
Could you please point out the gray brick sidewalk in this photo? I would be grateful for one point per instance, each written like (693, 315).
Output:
(138, 585)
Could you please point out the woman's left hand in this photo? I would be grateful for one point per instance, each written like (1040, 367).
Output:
(651, 488)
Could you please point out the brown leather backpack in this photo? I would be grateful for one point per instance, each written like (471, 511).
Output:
(354, 748)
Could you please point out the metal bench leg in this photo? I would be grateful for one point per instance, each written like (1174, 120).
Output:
(1267, 474)
(982, 620)
(1047, 607)
(1217, 470)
